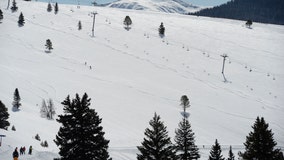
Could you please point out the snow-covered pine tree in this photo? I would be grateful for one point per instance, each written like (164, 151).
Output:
(162, 30)
(16, 103)
(48, 44)
(81, 136)
(4, 116)
(1, 15)
(43, 109)
(249, 23)
(260, 143)
(185, 143)
(21, 20)
(216, 152)
(49, 7)
(127, 22)
(184, 102)
(56, 8)
(79, 25)
(231, 154)
(14, 7)
(50, 109)
(157, 144)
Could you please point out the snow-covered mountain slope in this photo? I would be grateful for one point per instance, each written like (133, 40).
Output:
(136, 73)
(168, 6)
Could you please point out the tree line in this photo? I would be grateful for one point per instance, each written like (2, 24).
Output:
(264, 11)
(81, 136)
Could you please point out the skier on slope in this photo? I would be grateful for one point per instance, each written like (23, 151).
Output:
(16, 154)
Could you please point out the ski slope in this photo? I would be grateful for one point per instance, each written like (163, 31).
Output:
(136, 73)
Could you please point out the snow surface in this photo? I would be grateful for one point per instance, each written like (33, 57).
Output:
(136, 73)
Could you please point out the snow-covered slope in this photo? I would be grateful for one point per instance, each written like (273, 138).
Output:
(168, 6)
(136, 73)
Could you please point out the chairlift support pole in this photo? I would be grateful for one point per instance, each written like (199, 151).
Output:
(224, 59)
(94, 18)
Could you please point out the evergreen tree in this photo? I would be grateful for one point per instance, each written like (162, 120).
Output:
(260, 143)
(185, 143)
(184, 102)
(127, 22)
(157, 144)
(215, 153)
(21, 20)
(14, 7)
(4, 116)
(56, 8)
(1, 15)
(231, 154)
(48, 44)
(249, 23)
(81, 136)
(50, 109)
(16, 103)
(162, 29)
(79, 25)
(49, 7)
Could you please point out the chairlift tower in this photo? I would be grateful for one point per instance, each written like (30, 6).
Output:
(224, 59)
(94, 18)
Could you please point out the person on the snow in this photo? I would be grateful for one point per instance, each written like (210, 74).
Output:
(16, 154)
(30, 150)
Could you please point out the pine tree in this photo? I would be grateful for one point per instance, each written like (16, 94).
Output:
(4, 116)
(81, 136)
(185, 143)
(14, 7)
(21, 20)
(231, 154)
(184, 103)
(43, 109)
(48, 44)
(127, 22)
(50, 109)
(249, 23)
(1, 15)
(56, 8)
(16, 103)
(215, 153)
(157, 144)
(162, 29)
(49, 7)
(79, 25)
(260, 143)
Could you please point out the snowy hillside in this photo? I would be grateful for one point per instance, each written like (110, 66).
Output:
(168, 6)
(136, 73)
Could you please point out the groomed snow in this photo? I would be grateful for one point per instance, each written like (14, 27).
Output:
(136, 73)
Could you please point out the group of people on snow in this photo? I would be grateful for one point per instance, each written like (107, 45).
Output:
(22, 151)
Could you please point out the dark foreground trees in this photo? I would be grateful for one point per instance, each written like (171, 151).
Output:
(216, 152)
(157, 144)
(260, 143)
(185, 143)
(81, 136)
(1, 15)
(4, 116)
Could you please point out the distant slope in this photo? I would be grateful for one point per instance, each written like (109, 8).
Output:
(264, 11)
(168, 6)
